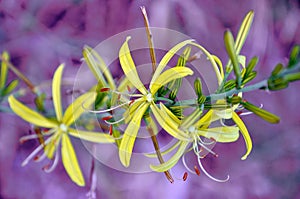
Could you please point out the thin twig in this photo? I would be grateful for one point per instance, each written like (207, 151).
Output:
(150, 39)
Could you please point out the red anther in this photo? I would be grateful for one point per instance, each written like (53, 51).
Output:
(185, 175)
(216, 155)
(245, 101)
(128, 88)
(110, 130)
(119, 96)
(131, 102)
(213, 139)
(197, 170)
(104, 89)
(239, 112)
(22, 141)
(36, 158)
(107, 118)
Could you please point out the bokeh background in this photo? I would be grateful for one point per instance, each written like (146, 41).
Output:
(41, 34)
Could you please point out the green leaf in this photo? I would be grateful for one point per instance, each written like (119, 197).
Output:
(10, 87)
(277, 70)
(251, 65)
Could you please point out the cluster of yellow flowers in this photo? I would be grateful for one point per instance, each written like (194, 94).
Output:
(196, 132)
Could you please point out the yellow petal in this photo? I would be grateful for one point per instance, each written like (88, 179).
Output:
(168, 56)
(169, 75)
(212, 61)
(130, 134)
(91, 136)
(53, 144)
(128, 67)
(70, 162)
(221, 134)
(206, 120)
(219, 62)
(167, 123)
(56, 83)
(29, 115)
(164, 152)
(98, 66)
(75, 110)
(244, 132)
(172, 161)
(151, 125)
(130, 112)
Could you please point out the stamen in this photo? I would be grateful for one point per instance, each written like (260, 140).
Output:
(110, 129)
(39, 158)
(107, 118)
(185, 175)
(28, 137)
(208, 175)
(106, 110)
(115, 122)
(128, 88)
(197, 151)
(35, 152)
(197, 170)
(55, 162)
(131, 102)
(185, 165)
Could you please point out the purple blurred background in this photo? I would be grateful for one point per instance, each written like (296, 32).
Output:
(41, 34)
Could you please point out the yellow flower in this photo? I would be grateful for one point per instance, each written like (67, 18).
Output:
(60, 129)
(195, 130)
(146, 99)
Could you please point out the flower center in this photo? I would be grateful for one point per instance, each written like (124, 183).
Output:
(63, 127)
(149, 97)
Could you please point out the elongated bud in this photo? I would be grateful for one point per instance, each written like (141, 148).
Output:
(198, 87)
(39, 102)
(292, 77)
(251, 65)
(278, 69)
(277, 84)
(229, 44)
(249, 77)
(294, 56)
(235, 99)
(10, 87)
(267, 116)
(4, 69)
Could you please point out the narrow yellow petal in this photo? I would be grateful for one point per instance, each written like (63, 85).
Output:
(164, 152)
(244, 132)
(96, 137)
(128, 67)
(219, 62)
(221, 134)
(172, 161)
(75, 110)
(206, 120)
(169, 75)
(70, 162)
(127, 143)
(56, 83)
(98, 66)
(167, 57)
(167, 123)
(151, 125)
(212, 61)
(29, 115)
(130, 112)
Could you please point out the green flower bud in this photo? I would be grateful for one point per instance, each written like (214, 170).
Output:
(265, 115)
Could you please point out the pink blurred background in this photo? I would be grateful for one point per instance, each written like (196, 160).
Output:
(41, 34)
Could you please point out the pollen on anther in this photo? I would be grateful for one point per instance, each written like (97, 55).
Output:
(46, 167)
(104, 89)
(197, 170)
(107, 118)
(110, 129)
(131, 102)
(128, 88)
(185, 175)
(36, 158)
